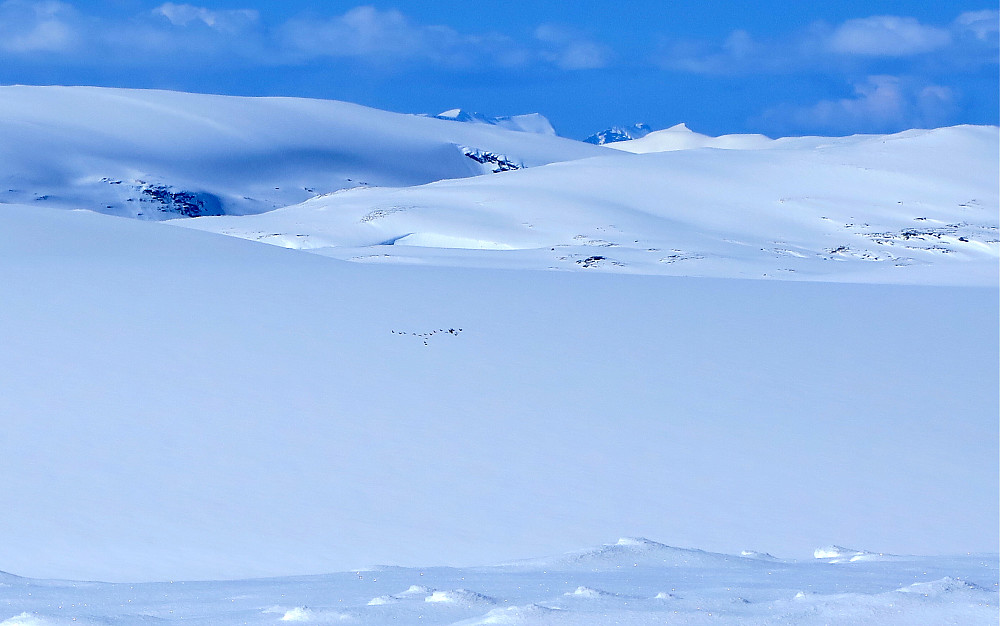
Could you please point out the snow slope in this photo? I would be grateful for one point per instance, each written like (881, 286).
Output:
(916, 207)
(157, 154)
(180, 405)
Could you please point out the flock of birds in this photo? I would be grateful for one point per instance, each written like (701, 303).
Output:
(425, 336)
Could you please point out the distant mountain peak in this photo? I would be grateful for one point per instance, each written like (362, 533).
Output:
(620, 133)
(527, 123)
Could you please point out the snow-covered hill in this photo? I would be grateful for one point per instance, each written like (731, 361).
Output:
(159, 154)
(366, 185)
(917, 207)
(680, 137)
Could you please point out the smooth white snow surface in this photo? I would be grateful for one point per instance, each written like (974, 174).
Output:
(182, 405)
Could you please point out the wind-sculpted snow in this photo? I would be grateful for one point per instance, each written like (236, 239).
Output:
(925, 590)
(161, 154)
(917, 207)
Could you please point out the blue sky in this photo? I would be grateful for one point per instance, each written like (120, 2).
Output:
(777, 67)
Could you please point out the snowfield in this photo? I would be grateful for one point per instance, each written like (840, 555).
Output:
(417, 398)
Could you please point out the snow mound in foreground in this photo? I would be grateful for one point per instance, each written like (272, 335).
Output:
(383, 600)
(305, 614)
(514, 615)
(36, 619)
(589, 592)
(942, 586)
(415, 591)
(462, 597)
(24, 619)
(839, 554)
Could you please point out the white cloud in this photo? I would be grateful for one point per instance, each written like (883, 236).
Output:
(387, 36)
(37, 27)
(362, 31)
(983, 25)
(44, 36)
(740, 44)
(879, 104)
(738, 53)
(887, 35)
(568, 50)
(226, 21)
(182, 35)
(853, 45)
